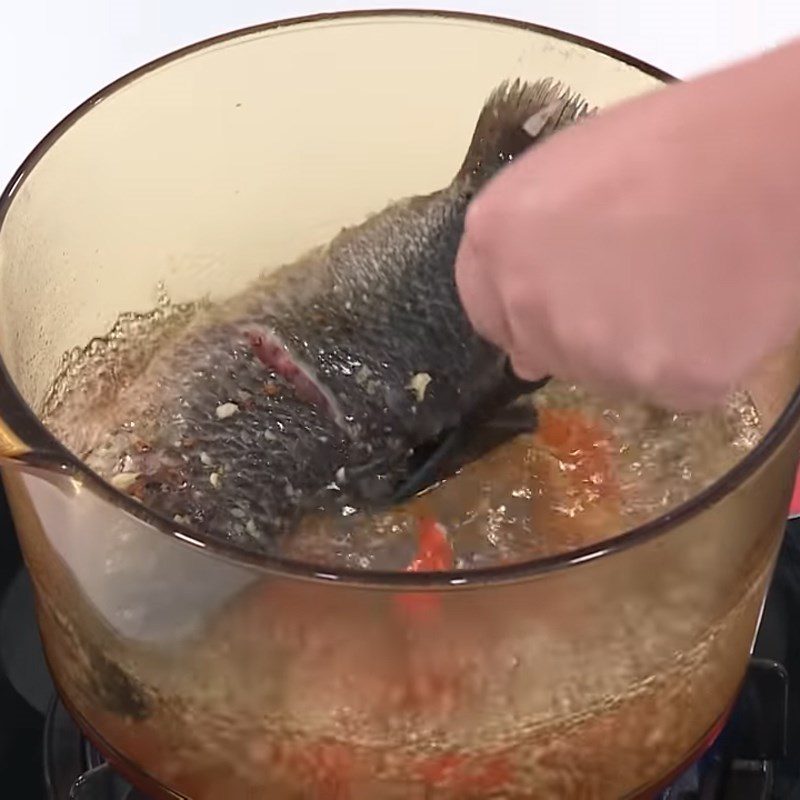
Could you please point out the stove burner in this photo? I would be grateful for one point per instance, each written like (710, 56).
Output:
(73, 769)
(741, 763)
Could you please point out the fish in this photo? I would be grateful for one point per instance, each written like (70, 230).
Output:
(318, 385)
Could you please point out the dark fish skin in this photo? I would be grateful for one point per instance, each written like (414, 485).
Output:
(338, 365)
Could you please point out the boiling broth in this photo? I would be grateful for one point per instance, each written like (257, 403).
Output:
(594, 467)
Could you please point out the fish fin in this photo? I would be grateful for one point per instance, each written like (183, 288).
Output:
(516, 115)
(497, 420)
(457, 447)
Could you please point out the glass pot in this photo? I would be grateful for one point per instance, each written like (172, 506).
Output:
(206, 674)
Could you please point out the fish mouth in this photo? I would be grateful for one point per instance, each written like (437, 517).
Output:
(273, 352)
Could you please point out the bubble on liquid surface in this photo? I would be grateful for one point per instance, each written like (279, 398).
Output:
(593, 469)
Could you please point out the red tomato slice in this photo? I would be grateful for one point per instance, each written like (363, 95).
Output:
(434, 554)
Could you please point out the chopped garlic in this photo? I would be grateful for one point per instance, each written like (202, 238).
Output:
(215, 479)
(205, 458)
(251, 527)
(226, 410)
(419, 385)
(124, 480)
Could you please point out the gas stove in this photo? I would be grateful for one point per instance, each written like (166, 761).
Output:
(43, 755)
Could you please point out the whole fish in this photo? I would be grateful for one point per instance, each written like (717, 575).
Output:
(315, 387)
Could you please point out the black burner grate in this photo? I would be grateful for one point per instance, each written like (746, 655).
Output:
(73, 769)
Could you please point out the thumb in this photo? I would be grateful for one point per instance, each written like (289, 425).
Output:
(479, 295)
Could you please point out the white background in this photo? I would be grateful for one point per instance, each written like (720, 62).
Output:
(55, 53)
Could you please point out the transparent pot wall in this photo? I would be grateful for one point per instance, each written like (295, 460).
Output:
(216, 679)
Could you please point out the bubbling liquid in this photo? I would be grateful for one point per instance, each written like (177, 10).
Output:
(594, 467)
(291, 695)
(594, 681)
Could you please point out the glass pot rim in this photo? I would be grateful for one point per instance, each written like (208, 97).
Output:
(24, 439)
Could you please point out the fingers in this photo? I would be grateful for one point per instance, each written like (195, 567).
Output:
(498, 305)
(641, 252)
(479, 295)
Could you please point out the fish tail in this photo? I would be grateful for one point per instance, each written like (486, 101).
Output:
(516, 115)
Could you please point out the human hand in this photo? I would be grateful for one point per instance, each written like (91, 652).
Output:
(653, 249)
